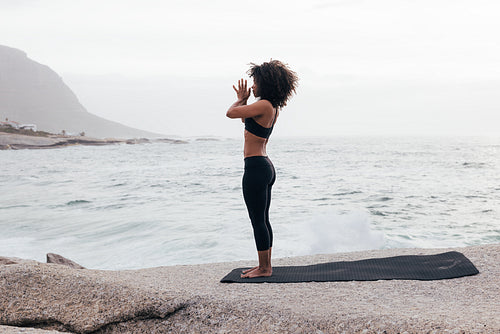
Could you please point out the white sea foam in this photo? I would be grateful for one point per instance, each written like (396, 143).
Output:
(22, 247)
(332, 232)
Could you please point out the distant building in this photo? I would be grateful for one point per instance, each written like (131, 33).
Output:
(8, 123)
(16, 125)
(28, 127)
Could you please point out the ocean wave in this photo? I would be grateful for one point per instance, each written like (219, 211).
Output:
(474, 164)
(14, 206)
(121, 184)
(377, 213)
(78, 202)
(348, 193)
(321, 199)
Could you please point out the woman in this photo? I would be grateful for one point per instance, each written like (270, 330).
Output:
(273, 86)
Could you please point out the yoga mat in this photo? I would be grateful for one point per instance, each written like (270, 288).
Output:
(406, 267)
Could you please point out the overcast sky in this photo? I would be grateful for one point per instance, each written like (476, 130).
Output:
(365, 66)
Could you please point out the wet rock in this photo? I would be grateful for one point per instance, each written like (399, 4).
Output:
(170, 141)
(138, 141)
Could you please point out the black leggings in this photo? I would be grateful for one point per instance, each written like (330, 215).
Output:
(258, 180)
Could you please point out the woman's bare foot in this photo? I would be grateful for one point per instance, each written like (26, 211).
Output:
(259, 272)
(264, 269)
(252, 269)
(249, 270)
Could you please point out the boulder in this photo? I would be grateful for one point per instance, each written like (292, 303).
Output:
(58, 259)
(80, 301)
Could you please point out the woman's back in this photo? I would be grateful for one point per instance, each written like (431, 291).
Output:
(257, 131)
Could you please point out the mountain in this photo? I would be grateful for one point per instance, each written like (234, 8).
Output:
(33, 93)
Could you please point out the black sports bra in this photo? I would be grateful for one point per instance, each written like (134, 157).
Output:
(256, 129)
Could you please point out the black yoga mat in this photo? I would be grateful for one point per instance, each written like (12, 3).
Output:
(406, 267)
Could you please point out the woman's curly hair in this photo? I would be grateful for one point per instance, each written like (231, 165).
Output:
(275, 82)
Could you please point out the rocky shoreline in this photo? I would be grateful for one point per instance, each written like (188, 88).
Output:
(190, 299)
(10, 141)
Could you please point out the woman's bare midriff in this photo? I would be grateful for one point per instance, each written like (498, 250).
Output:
(254, 146)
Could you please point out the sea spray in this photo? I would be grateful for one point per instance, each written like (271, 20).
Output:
(333, 232)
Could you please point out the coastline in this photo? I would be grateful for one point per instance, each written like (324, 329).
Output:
(13, 141)
(189, 298)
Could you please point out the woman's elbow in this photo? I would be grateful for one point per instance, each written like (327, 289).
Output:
(230, 113)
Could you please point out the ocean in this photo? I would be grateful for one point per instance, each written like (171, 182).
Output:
(148, 205)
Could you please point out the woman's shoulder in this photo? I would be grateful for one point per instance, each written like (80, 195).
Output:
(263, 103)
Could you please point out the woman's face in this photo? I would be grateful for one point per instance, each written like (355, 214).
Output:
(255, 90)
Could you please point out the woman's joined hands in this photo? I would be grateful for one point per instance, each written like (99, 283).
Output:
(242, 92)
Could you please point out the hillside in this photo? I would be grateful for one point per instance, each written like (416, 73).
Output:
(33, 93)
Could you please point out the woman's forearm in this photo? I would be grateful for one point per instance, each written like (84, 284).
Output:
(234, 105)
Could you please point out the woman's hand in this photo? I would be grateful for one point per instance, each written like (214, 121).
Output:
(242, 92)
(240, 109)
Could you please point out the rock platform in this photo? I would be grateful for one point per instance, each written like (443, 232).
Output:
(190, 299)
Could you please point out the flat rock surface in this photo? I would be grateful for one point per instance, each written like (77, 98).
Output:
(19, 141)
(16, 139)
(25, 330)
(190, 299)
